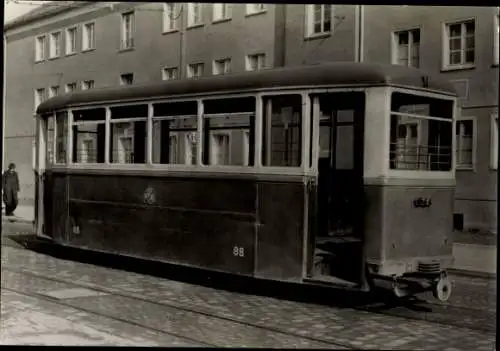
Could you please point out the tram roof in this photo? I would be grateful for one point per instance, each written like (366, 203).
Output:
(323, 74)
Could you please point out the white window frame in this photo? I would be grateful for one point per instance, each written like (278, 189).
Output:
(395, 46)
(86, 45)
(224, 63)
(446, 45)
(310, 20)
(54, 91)
(192, 21)
(190, 70)
(496, 38)
(214, 146)
(171, 20)
(165, 76)
(127, 42)
(41, 50)
(86, 84)
(68, 48)
(246, 147)
(39, 97)
(122, 76)
(55, 52)
(67, 87)
(254, 9)
(221, 12)
(260, 65)
(472, 166)
(494, 141)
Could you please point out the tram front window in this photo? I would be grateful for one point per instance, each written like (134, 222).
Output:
(421, 133)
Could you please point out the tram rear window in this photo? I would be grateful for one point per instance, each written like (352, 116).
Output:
(421, 133)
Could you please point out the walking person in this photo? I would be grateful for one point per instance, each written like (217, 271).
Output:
(10, 189)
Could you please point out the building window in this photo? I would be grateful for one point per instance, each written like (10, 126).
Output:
(89, 135)
(171, 14)
(71, 40)
(460, 45)
(169, 73)
(319, 19)
(127, 31)
(41, 47)
(174, 133)
(127, 79)
(407, 48)
(222, 66)
(465, 143)
(55, 45)
(39, 97)
(54, 91)
(88, 39)
(496, 38)
(228, 125)
(87, 84)
(195, 16)
(494, 141)
(70, 87)
(128, 134)
(255, 8)
(221, 11)
(282, 130)
(195, 70)
(255, 62)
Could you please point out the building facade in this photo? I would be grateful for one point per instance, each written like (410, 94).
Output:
(74, 45)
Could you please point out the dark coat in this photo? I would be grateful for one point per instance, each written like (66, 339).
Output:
(10, 188)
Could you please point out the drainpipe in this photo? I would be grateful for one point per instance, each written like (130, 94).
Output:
(181, 41)
(359, 33)
(4, 56)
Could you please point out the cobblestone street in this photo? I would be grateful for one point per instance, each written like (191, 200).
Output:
(50, 301)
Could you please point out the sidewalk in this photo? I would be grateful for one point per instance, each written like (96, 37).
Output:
(475, 254)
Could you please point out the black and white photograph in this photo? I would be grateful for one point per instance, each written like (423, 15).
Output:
(243, 175)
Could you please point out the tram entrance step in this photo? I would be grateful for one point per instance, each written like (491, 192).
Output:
(330, 280)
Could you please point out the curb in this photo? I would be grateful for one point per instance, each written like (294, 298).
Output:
(476, 274)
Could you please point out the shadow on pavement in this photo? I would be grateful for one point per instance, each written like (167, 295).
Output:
(332, 297)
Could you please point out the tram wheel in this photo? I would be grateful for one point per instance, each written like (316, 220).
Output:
(400, 291)
(442, 290)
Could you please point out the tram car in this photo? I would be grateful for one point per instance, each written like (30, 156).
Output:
(338, 174)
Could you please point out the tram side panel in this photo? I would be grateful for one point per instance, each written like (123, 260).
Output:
(412, 229)
(59, 204)
(280, 233)
(204, 223)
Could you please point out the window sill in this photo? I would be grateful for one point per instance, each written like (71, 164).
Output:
(457, 68)
(221, 20)
(54, 58)
(40, 60)
(170, 31)
(126, 50)
(193, 26)
(255, 13)
(465, 168)
(87, 50)
(71, 54)
(318, 36)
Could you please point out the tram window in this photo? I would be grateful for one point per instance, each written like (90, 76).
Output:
(61, 136)
(174, 140)
(419, 141)
(228, 130)
(282, 132)
(128, 134)
(50, 140)
(89, 135)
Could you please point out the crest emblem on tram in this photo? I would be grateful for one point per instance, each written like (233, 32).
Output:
(149, 196)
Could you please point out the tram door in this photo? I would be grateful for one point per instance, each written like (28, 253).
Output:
(338, 241)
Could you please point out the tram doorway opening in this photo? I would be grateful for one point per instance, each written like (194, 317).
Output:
(338, 239)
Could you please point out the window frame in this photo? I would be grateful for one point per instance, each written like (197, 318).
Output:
(165, 69)
(191, 20)
(189, 70)
(472, 166)
(251, 11)
(445, 56)
(38, 55)
(395, 45)
(256, 55)
(53, 52)
(67, 85)
(494, 141)
(228, 12)
(224, 61)
(166, 19)
(39, 98)
(84, 35)
(85, 84)
(127, 43)
(309, 20)
(53, 88)
(87, 123)
(123, 75)
(68, 41)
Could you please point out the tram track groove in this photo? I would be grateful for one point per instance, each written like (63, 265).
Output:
(368, 309)
(103, 315)
(119, 293)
